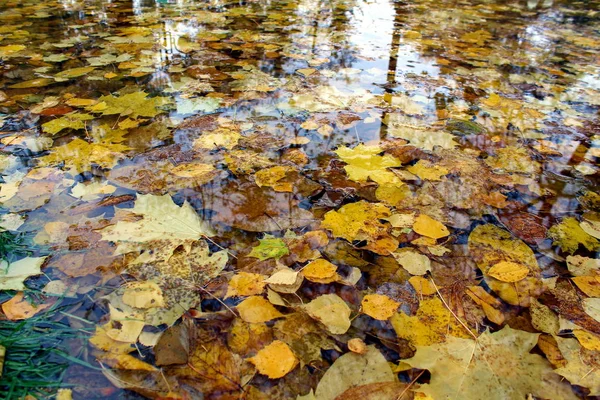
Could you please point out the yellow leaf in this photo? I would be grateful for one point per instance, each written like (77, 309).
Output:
(73, 72)
(219, 138)
(487, 302)
(432, 323)
(427, 226)
(360, 221)
(589, 285)
(306, 71)
(196, 171)
(587, 339)
(19, 308)
(507, 271)
(247, 339)
(356, 345)
(320, 271)
(490, 245)
(422, 285)
(76, 102)
(275, 361)
(143, 295)
(245, 284)
(427, 171)
(331, 311)
(413, 262)
(11, 48)
(272, 177)
(379, 306)
(364, 162)
(125, 362)
(256, 309)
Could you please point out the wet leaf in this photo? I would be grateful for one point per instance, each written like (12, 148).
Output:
(331, 311)
(427, 226)
(507, 271)
(354, 370)
(275, 360)
(256, 309)
(269, 247)
(13, 274)
(497, 364)
(569, 235)
(245, 284)
(379, 306)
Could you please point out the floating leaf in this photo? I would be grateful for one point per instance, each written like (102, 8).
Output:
(360, 221)
(354, 370)
(507, 271)
(413, 262)
(132, 105)
(69, 121)
(498, 364)
(269, 247)
(427, 170)
(73, 73)
(12, 275)
(33, 83)
(569, 235)
(245, 284)
(364, 162)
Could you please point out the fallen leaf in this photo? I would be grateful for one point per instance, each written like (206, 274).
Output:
(379, 306)
(354, 370)
(427, 226)
(256, 309)
(275, 360)
(331, 311)
(498, 364)
(507, 271)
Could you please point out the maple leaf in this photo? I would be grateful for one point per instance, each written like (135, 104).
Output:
(497, 364)
(79, 155)
(360, 221)
(581, 369)
(71, 121)
(364, 162)
(569, 235)
(162, 219)
(133, 105)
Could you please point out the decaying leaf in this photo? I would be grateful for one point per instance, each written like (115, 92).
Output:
(354, 370)
(497, 364)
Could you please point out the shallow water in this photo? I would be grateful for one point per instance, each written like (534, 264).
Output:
(242, 116)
